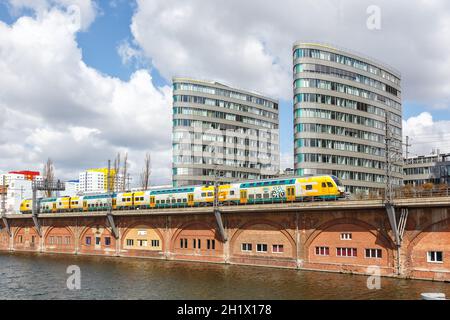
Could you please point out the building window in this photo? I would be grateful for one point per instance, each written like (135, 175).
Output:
(346, 236)
(155, 243)
(246, 247)
(435, 256)
(183, 243)
(277, 248)
(322, 251)
(142, 243)
(59, 240)
(67, 241)
(373, 253)
(107, 241)
(261, 247)
(88, 241)
(346, 252)
(211, 244)
(51, 240)
(20, 239)
(199, 244)
(130, 242)
(98, 241)
(33, 239)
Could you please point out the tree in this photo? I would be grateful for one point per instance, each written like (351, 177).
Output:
(146, 172)
(49, 175)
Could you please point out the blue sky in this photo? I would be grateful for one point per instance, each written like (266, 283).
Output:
(171, 40)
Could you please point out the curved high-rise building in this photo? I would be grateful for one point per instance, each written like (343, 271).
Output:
(345, 106)
(217, 128)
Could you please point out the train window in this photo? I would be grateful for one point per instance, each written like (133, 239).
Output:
(162, 201)
(178, 200)
(128, 199)
(324, 185)
(232, 193)
(173, 200)
(185, 200)
(157, 201)
(330, 185)
(266, 195)
(203, 194)
(258, 196)
(251, 196)
(309, 187)
(210, 194)
(123, 199)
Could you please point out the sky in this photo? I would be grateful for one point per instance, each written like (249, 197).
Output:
(81, 80)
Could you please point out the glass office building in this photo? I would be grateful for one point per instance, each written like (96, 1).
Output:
(223, 131)
(345, 106)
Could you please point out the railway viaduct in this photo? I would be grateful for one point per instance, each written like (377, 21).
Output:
(340, 236)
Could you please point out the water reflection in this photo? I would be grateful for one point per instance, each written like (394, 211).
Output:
(36, 276)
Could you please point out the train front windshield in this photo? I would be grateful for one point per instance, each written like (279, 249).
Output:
(338, 182)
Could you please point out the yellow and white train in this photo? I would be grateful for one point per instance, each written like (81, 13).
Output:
(292, 189)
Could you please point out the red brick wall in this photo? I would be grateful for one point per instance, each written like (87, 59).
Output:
(26, 239)
(59, 239)
(263, 232)
(103, 234)
(196, 231)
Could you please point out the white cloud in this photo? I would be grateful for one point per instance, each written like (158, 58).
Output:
(82, 12)
(53, 105)
(426, 134)
(249, 43)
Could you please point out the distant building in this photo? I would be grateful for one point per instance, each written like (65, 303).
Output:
(220, 127)
(72, 188)
(96, 180)
(433, 168)
(18, 186)
(288, 172)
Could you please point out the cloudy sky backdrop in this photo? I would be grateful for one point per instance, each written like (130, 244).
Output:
(81, 80)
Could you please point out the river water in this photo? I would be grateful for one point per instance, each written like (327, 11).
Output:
(39, 276)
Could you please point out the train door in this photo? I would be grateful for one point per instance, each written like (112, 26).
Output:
(54, 207)
(85, 206)
(290, 193)
(243, 199)
(152, 202)
(114, 203)
(190, 199)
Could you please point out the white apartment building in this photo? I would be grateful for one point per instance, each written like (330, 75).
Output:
(92, 182)
(18, 188)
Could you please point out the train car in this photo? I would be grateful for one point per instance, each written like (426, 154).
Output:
(48, 205)
(26, 206)
(172, 197)
(76, 204)
(98, 202)
(291, 190)
(124, 201)
(63, 204)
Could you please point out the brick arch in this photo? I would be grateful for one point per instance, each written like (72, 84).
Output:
(146, 224)
(63, 246)
(201, 226)
(387, 242)
(92, 248)
(420, 235)
(417, 248)
(88, 227)
(330, 230)
(47, 232)
(276, 226)
(23, 245)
